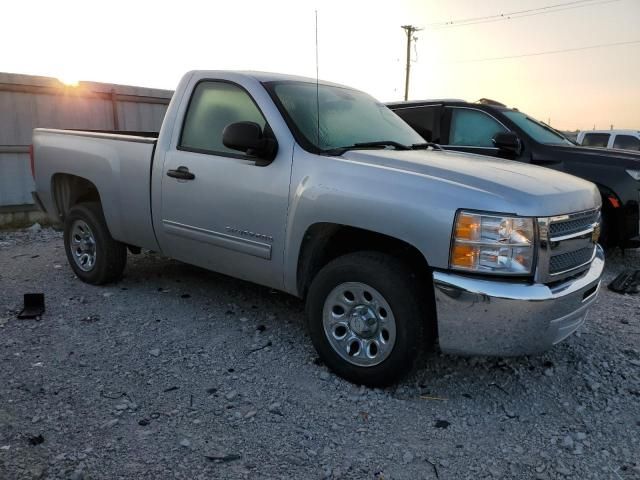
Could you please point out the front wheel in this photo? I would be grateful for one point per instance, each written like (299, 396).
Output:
(93, 254)
(367, 317)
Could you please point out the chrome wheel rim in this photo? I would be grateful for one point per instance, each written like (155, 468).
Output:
(359, 324)
(83, 246)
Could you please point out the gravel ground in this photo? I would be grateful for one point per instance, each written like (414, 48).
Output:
(176, 372)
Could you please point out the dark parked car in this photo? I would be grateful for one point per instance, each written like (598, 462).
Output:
(490, 128)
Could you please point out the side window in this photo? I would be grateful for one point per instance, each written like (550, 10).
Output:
(213, 106)
(626, 142)
(473, 128)
(595, 140)
(424, 120)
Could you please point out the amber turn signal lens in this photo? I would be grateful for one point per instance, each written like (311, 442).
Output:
(464, 256)
(467, 227)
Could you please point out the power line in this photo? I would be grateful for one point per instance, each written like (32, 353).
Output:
(471, 19)
(548, 52)
(518, 14)
(515, 17)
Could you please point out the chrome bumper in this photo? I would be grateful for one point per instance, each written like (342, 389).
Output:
(488, 317)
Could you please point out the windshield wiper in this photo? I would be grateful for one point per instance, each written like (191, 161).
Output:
(383, 143)
(365, 145)
(425, 145)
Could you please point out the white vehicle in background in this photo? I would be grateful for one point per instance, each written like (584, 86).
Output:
(621, 139)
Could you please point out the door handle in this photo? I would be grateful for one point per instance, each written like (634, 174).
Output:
(182, 173)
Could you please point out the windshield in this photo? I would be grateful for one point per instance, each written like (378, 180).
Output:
(347, 117)
(537, 130)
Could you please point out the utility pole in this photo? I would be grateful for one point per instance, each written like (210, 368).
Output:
(410, 30)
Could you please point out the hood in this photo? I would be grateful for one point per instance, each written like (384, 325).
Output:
(620, 158)
(514, 187)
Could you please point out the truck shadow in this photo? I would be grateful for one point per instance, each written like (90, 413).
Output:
(436, 375)
(171, 276)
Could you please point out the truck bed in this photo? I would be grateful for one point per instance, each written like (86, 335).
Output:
(118, 164)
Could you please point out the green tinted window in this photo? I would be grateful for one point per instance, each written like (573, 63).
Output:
(473, 128)
(215, 105)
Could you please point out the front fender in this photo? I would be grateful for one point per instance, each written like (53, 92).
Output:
(391, 210)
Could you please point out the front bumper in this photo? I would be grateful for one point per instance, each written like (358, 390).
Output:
(488, 317)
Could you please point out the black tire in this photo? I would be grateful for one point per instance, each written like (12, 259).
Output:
(111, 255)
(400, 288)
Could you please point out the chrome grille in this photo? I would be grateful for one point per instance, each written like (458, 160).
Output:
(578, 222)
(570, 260)
(566, 244)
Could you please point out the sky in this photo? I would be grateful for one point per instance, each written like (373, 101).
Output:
(360, 44)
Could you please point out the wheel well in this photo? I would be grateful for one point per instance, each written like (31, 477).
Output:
(614, 216)
(324, 242)
(69, 190)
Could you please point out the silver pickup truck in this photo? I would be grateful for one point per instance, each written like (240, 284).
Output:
(320, 191)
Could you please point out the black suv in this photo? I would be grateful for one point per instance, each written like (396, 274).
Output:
(490, 128)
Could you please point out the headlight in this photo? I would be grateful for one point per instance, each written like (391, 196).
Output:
(635, 174)
(486, 243)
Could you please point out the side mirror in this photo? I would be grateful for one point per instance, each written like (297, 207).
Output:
(249, 138)
(508, 142)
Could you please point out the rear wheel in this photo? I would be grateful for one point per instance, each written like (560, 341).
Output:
(367, 318)
(93, 254)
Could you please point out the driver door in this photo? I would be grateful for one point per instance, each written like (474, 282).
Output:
(219, 210)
